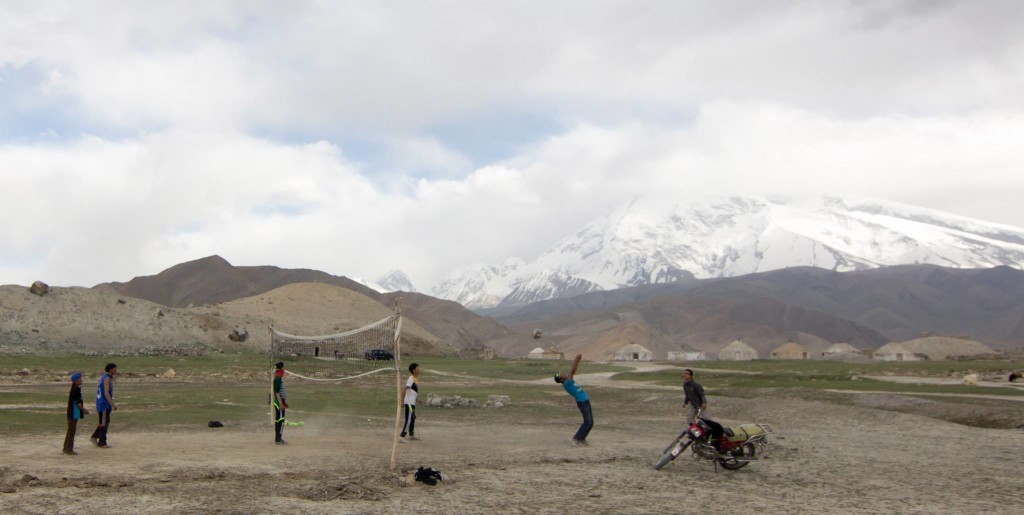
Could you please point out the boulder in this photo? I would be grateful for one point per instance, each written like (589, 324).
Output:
(39, 288)
(970, 379)
(238, 336)
(168, 374)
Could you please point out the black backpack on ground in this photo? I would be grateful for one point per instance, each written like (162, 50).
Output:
(428, 475)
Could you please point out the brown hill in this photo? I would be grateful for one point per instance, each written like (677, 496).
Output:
(212, 280)
(96, 320)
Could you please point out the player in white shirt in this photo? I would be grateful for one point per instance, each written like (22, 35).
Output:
(410, 392)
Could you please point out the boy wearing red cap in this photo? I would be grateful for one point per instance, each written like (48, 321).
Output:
(280, 403)
(76, 412)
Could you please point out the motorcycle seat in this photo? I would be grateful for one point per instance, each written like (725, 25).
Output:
(728, 431)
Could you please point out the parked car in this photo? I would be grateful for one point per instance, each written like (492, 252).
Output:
(378, 354)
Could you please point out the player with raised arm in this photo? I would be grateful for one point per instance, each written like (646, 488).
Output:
(582, 402)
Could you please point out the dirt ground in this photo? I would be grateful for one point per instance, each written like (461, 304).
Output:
(828, 458)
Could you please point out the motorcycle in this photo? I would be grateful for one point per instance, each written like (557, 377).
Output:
(733, 449)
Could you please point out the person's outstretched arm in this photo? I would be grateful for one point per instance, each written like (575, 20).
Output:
(575, 365)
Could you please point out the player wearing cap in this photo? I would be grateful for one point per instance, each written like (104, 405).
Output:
(76, 412)
(582, 402)
(280, 403)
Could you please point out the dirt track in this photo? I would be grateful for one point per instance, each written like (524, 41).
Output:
(830, 458)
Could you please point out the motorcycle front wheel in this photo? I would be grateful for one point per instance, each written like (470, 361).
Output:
(738, 457)
(669, 456)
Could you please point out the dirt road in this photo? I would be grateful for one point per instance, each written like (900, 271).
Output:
(829, 458)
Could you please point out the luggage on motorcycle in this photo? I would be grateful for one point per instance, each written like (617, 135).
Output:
(745, 432)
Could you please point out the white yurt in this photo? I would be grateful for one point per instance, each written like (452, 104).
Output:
(839, 348)
(737, 351)
(894, 351)
(790, 350)
(633, 352)
(537, 353)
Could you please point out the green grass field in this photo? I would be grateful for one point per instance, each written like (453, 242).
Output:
(234, 389)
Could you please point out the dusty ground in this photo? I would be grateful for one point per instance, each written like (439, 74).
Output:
(832, 458)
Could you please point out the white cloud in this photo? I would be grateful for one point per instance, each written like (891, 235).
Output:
(233, 128)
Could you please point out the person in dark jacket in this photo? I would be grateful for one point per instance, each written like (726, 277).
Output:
(694, 397)
(76, 412)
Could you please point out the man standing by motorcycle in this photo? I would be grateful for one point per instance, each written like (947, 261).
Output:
(695, 398)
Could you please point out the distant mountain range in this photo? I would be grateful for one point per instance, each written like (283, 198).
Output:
(811, 306)
(642, 244)
(203, 300)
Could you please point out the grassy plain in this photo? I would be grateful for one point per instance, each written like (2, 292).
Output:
(233, 388)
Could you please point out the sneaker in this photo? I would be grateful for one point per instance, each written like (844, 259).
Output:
(95, 441)
(575, 442)
(413, 437)
(403, 440)
(583, 443)
(69, 453)
(280, 442)
(104, 446)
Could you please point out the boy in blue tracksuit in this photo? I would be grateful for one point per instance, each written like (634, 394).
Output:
(582, 402)
(104, 405)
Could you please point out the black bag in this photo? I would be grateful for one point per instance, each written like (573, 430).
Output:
(716, 429)
(215, 423)
(428, 475)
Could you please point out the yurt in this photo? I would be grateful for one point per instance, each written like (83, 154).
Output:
(537, 353)
(894, 351)
(790, 350)
(839, 348)
(633, 352)
(687, 353)
(737, 351)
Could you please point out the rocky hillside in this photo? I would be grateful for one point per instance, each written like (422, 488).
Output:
(99, 321)
(212, 280)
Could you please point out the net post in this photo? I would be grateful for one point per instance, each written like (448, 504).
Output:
(398, 381)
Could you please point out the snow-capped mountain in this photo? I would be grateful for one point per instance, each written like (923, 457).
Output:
(642, 244)
(395, 280)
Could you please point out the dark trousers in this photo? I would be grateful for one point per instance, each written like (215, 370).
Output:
(101, 430)
(278, 423)
(588, 420)
(410, 420)
(69, 439)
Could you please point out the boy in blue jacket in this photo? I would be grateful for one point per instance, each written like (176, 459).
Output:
(582, 402)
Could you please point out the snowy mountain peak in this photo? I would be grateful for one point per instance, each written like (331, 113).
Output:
(644, 243)
(395, 280)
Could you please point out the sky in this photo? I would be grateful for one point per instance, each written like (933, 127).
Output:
(360, 137)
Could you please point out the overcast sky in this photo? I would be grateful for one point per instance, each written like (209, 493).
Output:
(357, 137)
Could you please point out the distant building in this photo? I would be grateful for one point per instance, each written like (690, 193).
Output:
(790, 350)
(894, 351)
(694, 355)
(839, 348)
(737, 351)
(633, 352)
(481, 352)
(550, 353)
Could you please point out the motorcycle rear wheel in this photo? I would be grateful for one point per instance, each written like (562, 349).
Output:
(667, 456)
(743, 452)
